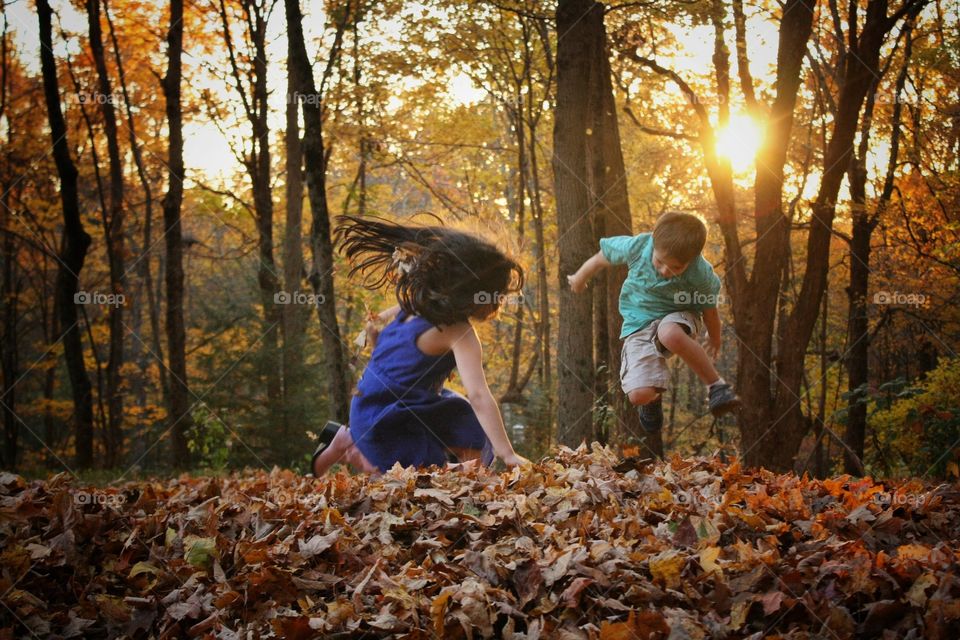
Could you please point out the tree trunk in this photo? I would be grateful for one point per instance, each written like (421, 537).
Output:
(321, 275)
(612, 208)
(73, 248)
(514, 392)
(143, 260)
(575, 368)
(180, 421)
(858, 332)
(263, 204)
(253, 79)
(543, 289)
(9, 283)
(292, 314)
(9, 352)
(114, 243)
(861, 68)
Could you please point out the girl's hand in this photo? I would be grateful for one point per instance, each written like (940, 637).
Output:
(373, 332)
(514, 460)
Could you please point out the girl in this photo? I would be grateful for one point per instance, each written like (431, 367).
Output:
(400, 411)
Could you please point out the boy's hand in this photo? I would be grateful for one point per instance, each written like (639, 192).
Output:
(576, 284)
(713, 349)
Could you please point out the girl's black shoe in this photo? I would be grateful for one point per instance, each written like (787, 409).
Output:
(326, 437)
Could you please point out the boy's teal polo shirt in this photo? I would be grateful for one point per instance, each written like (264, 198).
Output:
(646, 295)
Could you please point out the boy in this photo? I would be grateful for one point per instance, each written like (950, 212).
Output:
(667, 288)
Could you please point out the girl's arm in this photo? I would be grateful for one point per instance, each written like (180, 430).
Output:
(387, 315)
(468, 353)
(373, 330)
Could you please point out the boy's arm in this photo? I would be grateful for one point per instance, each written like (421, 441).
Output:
(711, 319)
(578, 281)
(468, 354)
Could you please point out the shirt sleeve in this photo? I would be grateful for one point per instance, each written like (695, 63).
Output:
(621, 249)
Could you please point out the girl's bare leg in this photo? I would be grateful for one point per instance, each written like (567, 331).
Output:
(463, 454)
(342, 450)
(469, 458)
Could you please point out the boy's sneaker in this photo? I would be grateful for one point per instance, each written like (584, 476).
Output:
(651, 415)
(723, 400)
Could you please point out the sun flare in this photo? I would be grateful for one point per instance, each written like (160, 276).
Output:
(739, 142)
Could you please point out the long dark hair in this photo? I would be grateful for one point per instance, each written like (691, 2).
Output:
(441, 274)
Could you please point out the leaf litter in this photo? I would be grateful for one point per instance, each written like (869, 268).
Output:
(584, 545)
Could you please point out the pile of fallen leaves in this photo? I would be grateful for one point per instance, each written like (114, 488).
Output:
(583, 545)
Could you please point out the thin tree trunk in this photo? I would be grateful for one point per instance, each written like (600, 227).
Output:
(257, 164)
(9, 352)
(114, 243)
(514, 392)
(321, 275)
(180, 421)
(73, 248)
(292, 314)
(143, 261)
(575, 370)
(543, 289)
(9, 282)
(858, 288)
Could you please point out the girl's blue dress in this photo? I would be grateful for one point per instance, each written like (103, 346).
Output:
(400, 411)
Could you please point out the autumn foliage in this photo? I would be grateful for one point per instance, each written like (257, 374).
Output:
(582, 545)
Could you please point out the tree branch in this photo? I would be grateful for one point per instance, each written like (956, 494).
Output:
(676, 135)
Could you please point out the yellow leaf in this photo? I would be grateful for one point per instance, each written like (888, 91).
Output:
(666, 568)
(708, 560)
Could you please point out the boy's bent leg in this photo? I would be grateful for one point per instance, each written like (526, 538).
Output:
(674, 337)
(643, 377)
(650, 408)
(643, 395)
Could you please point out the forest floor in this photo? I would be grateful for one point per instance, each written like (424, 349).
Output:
(582, 545)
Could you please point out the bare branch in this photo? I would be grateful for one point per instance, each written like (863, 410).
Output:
(691, 95)
(743, 60)
(676, 135)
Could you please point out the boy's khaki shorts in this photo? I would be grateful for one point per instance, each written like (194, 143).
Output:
(643, 360)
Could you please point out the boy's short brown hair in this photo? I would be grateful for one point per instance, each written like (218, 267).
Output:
(679, 235)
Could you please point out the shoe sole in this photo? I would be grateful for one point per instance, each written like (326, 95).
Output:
(727, 407)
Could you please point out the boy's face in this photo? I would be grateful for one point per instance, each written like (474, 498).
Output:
(668, 266)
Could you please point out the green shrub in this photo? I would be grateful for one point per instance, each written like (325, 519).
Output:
(918, 429)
